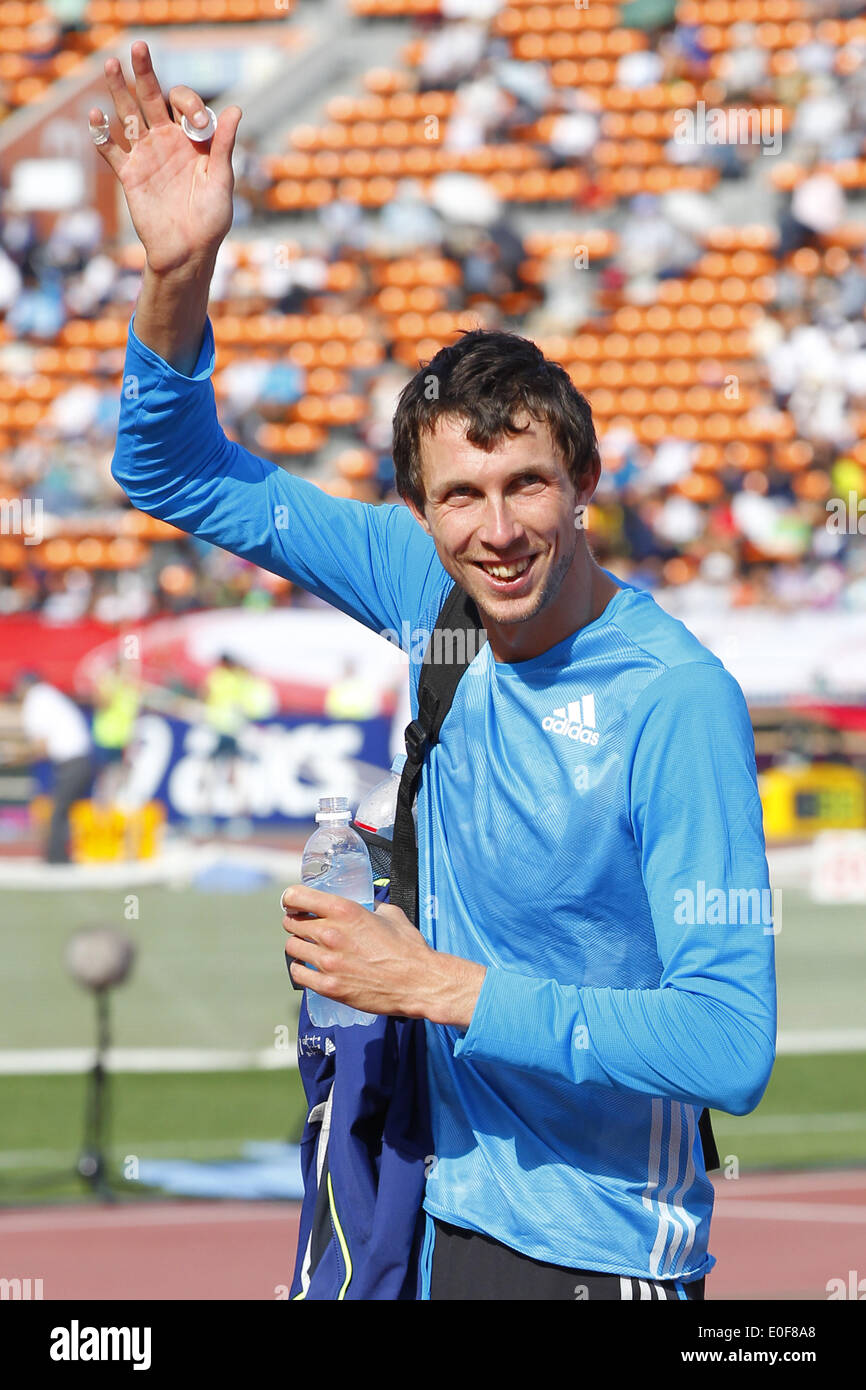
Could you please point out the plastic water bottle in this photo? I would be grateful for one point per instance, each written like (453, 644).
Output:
(378, 811)
(335, 860)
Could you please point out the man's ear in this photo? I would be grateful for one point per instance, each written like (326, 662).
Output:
(418, 515)
(589, 482)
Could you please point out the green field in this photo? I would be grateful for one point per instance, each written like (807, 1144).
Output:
(814, 1112)
(202, 1115)
(210, 974)
(209, 970)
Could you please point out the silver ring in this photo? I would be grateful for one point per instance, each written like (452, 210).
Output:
(101, 134)
(206, 132)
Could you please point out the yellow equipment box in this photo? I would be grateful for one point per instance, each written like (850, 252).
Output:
(801, 801)
(102, 834)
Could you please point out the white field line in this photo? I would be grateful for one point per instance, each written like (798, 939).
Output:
(143, 1214)
(45, 1061)
(771, 1184)
(55, 1060)
(193, 1149)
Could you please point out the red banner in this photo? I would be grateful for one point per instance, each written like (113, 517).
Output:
(51, 649)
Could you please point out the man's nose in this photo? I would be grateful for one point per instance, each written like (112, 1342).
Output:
(499, 528)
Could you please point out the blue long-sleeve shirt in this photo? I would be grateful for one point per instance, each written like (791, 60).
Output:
(589, 829)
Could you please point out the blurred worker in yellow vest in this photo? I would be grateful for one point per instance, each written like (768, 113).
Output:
(224, 705)
(258, 696)
(352, 696)
(234, 698)
(116, 709)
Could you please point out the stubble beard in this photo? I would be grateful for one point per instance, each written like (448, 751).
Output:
(546, 596)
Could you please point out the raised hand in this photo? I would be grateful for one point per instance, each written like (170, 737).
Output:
(179, 192)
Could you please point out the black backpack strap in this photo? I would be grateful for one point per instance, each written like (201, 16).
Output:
(708, 1143)
(451, 648)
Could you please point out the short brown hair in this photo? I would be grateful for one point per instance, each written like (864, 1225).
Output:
(489, 379)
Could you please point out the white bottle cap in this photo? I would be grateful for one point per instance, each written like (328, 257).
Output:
(206, 131)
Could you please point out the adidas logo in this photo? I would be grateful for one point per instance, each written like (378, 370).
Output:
(315, 1045)
(576, 720)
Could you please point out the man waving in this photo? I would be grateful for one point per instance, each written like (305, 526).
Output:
(596, 767)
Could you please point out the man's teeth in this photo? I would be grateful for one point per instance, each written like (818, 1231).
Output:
(507, 571)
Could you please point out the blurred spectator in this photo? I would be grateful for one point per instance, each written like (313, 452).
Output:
(408, 223)
(451, 55)
(470, 9)
(744, 66)
(71, 15)
(57, 731)
(820, 120)
(75, 237)
(382, 402)
(528, 84)
(10, 281)
(641, 68)
(818, 205)
(38, 311)
(574, 133)
(651, 246)
(480, 108)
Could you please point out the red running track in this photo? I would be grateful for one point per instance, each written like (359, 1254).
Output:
(774, 1235)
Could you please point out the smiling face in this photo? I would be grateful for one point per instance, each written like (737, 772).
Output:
(503, 523)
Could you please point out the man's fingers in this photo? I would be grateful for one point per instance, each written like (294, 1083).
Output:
(147, 88)
(300, 897)
(391, 912)
(292, 910)
(185, 102)
(100, 134)
(301, 975)
(125, 104)
(223, 141)
(292, 920)
(307, 952)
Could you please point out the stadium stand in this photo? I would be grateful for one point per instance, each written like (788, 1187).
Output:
(676, 214)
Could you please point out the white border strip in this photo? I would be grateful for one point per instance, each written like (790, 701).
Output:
(178, 865)
(48, 1061)
(813, 1040)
